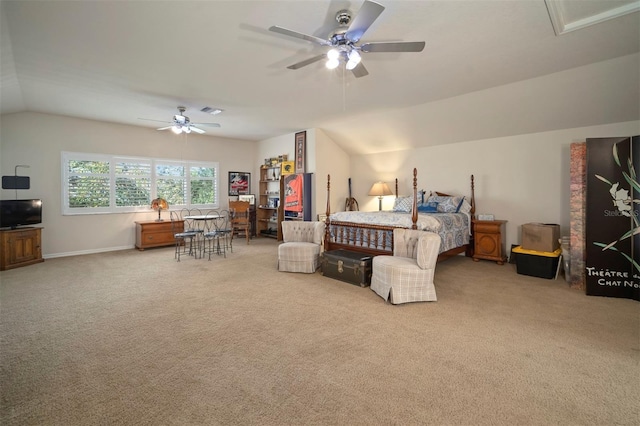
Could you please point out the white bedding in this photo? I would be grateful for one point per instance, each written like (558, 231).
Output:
(453, 228)
(387, 218)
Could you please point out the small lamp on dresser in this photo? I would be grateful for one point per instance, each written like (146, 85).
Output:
(159, 204)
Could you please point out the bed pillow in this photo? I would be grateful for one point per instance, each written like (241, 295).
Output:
(403, 204)
(447, 204)
(431, 207)
(465, 207)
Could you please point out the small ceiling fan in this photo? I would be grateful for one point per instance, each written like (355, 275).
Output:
(344, 40)
(182, 123)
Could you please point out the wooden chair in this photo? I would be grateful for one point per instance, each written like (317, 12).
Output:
(240, 219)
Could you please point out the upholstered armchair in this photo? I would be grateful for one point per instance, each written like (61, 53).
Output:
(407, 276)
(300, 250)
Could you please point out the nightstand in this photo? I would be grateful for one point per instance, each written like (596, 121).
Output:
(489, 240)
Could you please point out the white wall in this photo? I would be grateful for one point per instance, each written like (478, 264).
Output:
(521, 178)
(323, 157)
(38, 140)
(330, 160)
(599, 93)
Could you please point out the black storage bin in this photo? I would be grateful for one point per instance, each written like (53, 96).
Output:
(540, 264)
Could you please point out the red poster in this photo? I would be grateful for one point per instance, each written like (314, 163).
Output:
(293, 192)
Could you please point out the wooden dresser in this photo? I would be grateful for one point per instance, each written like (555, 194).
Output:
(156, 234)
(20, 247)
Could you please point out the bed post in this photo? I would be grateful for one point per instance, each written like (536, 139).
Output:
(326, 219)
(414, 204)
(396, 187)
(473, 198)
(470, 247)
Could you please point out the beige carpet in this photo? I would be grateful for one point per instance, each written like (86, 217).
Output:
(135, 338)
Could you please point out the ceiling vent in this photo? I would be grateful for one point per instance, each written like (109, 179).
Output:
(212, 111)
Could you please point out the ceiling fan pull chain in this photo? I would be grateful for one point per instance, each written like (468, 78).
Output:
(344, 91)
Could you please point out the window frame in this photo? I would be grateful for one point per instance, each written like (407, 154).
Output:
(66, 157)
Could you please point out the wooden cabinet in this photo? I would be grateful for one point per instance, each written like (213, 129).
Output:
(489, 240)
(20, 247)
(157, 234)
(268, 216)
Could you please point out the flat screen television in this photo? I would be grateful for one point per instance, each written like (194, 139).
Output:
(15, 213)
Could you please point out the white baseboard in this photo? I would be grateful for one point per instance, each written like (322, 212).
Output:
(80, 253)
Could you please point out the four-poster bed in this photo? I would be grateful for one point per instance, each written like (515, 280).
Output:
(372, 232)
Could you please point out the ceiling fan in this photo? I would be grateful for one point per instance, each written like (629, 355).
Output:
(344, 40)
(182, 123)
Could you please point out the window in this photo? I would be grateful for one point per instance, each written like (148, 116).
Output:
(88, 184)
(171, 183)
(203, 180)
(133, 183)
(94, 183)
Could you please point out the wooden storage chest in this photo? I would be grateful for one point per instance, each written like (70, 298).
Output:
(348, 266)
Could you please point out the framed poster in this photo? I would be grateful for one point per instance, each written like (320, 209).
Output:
(239, 183)
(300, 148)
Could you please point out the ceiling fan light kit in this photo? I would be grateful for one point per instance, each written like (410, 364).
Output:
(343, 41)
(354, 59)
(179, 129)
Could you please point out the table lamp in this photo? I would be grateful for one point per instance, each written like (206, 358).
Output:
(159, 204)
(380, 189)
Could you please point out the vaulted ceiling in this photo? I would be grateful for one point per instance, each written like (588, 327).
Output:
(120, 61)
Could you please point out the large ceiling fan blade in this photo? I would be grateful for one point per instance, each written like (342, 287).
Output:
(368, 13)
(401, 46)
(306, 62)
(291, 33)
(195, 129)
(205, 124)
(360, 71)
(151, 119)
(164, 128)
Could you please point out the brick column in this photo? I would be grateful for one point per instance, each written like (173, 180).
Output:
(577, 206)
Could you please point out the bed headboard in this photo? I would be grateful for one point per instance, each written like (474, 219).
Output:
(472, 200)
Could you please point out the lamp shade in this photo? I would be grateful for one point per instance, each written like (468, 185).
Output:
(380, 189)
(159, 204)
